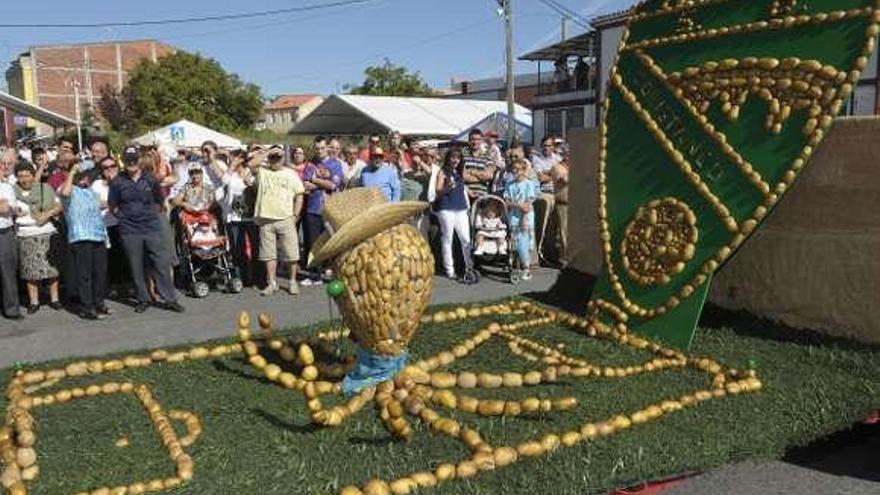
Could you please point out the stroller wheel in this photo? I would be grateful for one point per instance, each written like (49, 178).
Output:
(200, 289)
(235, 285)
(470, 277)
(515, 276)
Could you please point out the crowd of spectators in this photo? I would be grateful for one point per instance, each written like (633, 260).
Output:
(77, 228)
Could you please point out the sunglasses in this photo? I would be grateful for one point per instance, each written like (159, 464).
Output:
(108, 167)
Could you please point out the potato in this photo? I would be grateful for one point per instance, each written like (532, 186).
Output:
(445, 472)
(530, 449)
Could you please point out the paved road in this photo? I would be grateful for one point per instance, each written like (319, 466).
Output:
(52, 334)
(773, 478)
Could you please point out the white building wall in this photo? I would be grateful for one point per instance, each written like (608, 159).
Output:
(610, 41)
(865, 98)
(538, 125)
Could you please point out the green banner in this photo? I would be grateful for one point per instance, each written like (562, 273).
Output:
(713, 109)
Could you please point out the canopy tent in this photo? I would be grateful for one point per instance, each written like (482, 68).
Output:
(187, 134)
(434, 117)
(498, 123)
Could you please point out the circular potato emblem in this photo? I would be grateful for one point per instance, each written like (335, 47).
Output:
(659, 241)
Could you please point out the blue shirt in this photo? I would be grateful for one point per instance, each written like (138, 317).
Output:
(316, 197)
(384, 178)
(137, 203)
(82, 210)
(453, 197)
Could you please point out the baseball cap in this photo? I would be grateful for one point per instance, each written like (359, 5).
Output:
(491, 134)
(130, 154)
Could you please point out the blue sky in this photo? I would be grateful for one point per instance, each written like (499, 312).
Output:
(314, 51)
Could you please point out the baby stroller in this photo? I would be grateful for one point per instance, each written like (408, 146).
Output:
(204, 255)
(496, 253)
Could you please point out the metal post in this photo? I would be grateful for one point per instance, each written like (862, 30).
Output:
(79, 135)
(511, 82)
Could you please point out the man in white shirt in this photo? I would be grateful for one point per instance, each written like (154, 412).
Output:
(543, 162)
(8, 159)
(8, 254)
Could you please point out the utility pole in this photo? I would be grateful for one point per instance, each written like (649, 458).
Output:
(79, 135)
(506, 10)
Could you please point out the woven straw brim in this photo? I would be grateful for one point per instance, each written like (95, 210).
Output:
(368, 223)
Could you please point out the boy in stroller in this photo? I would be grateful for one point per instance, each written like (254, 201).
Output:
(491, 232)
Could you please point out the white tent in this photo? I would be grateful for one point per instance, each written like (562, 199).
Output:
(187, 134)
(498, 123)
(436, 117)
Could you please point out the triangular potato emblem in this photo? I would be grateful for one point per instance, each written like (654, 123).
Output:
(713, 109)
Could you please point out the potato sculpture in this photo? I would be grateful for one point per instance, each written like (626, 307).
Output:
(385, 264)
(387, 288)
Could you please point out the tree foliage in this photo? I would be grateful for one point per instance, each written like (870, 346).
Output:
(181, 86)
(391, 80)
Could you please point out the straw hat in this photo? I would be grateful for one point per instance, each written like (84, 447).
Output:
(356, 215)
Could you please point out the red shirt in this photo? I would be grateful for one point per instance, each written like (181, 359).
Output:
(57, 179)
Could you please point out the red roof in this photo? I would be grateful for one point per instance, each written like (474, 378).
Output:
(284, 102)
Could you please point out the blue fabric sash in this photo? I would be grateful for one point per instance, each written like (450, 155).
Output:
(371, 369)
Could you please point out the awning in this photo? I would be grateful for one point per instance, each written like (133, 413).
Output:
(22, 107)
(583, 45)
(428, 117)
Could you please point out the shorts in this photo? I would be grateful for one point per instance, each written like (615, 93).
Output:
(279, 241)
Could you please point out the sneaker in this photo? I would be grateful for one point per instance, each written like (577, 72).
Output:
(104, 310)
(270, 289)
(32, 308)
(306, 282)
(92, 315)
(140, 307)
(293, 288)
(15, 317)
(56, 305)
(527, 275)
(175, 306)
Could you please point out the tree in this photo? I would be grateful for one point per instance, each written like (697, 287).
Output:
(181, 86)
(391, 80)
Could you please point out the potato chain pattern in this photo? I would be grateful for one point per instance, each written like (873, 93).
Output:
(420, 392)
(421, 389)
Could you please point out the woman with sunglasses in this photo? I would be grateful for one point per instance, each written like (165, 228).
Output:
(116, 262)
(451, 205)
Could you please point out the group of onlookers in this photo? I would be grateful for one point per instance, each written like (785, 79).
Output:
(99, 222)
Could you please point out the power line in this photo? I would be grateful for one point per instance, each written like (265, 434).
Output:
(565, 13)
(184, 20)
(409, 47)
(571, 13)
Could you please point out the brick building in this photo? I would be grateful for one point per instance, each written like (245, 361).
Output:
(49, 75)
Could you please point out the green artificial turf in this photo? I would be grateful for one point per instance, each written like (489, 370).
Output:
(258, 439)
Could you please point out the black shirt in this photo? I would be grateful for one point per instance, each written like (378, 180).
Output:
(137, 202)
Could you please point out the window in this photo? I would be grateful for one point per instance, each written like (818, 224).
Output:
(554, 124)
(574, 118)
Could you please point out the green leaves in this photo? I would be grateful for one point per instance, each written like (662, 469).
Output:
(391, 80)
(182, 86)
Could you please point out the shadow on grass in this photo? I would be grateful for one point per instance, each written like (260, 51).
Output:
(373, 441)
(225, 368)
(572, 290)
(851, 453)
(299, 429)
